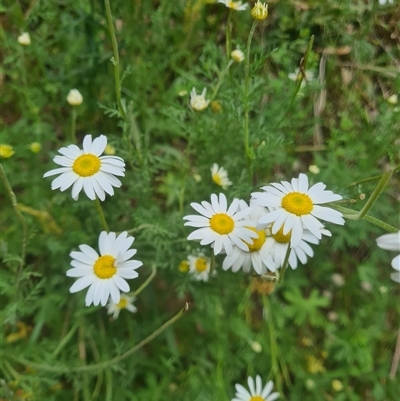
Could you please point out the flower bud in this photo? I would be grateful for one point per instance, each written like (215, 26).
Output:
(237, 55)
(35, 147)
(74, 97)
(260, 11)
(6, 151)
(24, 39)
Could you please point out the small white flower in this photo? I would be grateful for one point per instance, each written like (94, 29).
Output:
(125, 302)
(219, 225)
(234, 5)
(86, 169)
(74, 97)
(24, 39)
(257, 392)
(391, 242)
(198, 102)
(314, 169)
(296, 76)
(199, 267)
(237, 55)
(259, 254)
(383, 2)
(220, 176)
(104, 275)
(296, 207)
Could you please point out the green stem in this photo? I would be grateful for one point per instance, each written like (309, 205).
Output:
(228, 35)
(147, 282)
(221, 79)
(105, 364)
(298, 87)
(14, 204)
(101, 214)
(65, 340)
(246, 136)
(285, 264)
(115, 58)
(73, 125)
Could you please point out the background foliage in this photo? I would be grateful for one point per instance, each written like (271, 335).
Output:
(324, 331)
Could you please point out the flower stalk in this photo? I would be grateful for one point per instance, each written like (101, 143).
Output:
(101, 215)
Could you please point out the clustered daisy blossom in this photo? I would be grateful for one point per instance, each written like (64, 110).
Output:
(219, 225)
(234, 5)
(257, 392)
(125, 302)
(220, 176)
(391, 242)
(86, 169)
(198, 102)
(296, 207)
(104, 274)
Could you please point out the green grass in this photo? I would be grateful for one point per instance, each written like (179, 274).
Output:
(309, 331)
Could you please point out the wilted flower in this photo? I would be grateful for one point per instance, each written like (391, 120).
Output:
(198, 102)
(297, 76)
(104, 275)
(24, 39)
(260, 11)
(6, 151)
(74, 97)
(237, 55)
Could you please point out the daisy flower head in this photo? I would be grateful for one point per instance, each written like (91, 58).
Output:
(260, 250)
(295, 207)
(300, 252)
(220, 176)
(105, 274)
(257, 392)
(234, 5)
(199, 267)
(198, 102)
(259, 11)
(237, 55)
(86, 169)
(219, 225)
(297, 76)
(125, 302)
(391, 242)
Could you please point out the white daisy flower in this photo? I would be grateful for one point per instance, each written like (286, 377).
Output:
(296, 76)
(104, 275)
(199, 267)
(220, 176)
(257, 392)
(125, 302)
(234, 5)
(259, 255)
(221, 226)
(383, 2)
(86, 169)
(24, 39)
(198, 102)
(296, 207)
(300, 252)
(237, 55)
(391, 242)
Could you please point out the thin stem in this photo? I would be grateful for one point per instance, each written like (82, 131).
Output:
(396, 358)
(285, 264)
(228, 35)
(105, 364)
(246, 135)
(101, 214)
(299, 82)
(73, 125)
(115, 58)
(14, 203)
(65, 340)
(147, 282)
(221, 79)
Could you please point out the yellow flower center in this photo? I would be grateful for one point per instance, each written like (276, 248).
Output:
(122, 303)
(257, 242)
(233, 4)
(183, 266)
(281, 238)
(297, 203)
(217, 179)
(104, 267)
(259, 11)
(222, 224)
(256, 398)
(86, 165)
(201, 265)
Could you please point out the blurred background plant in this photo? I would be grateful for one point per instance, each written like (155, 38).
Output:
(335, 320)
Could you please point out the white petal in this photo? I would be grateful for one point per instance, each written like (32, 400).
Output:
(98, 145)
(88, 189)
(87, 143)
(89, 252)
(82, 283)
